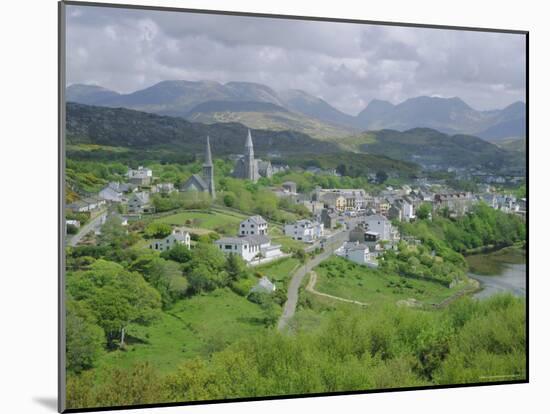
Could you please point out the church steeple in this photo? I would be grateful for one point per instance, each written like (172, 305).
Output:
(208, 169)
(208, 154)
(249, 147)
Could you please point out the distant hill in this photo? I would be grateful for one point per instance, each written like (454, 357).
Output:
(514, 144)
(89, 94)
(211, 102)
(449, 115)
(264, 115)
(149, 136)
(119, 127)
(304, 103)
(431, 148)
(307, 113)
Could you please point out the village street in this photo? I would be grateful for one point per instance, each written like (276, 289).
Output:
(331, 244)
(92, 225)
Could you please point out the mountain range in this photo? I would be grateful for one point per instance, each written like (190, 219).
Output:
(259, 106)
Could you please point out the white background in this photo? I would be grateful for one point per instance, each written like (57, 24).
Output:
(28, 207)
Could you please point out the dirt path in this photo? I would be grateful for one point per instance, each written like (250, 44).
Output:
(311, 288)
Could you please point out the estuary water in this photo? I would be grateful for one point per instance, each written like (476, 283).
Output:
(499, 272)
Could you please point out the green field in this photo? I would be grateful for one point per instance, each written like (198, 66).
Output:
(217, 221)
(279, 271)
(193, 327)
(345, 279)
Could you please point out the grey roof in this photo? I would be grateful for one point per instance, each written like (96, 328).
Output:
(256, 219)
(198, 179)
(253, 239)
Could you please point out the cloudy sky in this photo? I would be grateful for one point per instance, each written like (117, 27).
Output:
(346, 64)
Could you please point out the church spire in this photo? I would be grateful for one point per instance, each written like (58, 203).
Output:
(208, 169)
(208, 154)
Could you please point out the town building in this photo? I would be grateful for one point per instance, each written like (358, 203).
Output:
(139, 203)
(86, 205)
(381, 225)
(178, 236)
(353, 199)
(304, 230)
(253, 225)
(333, 201)
(250, 248)
(111, 194)
(163, 188)
(458, 204)
(142, 176)
(329, 218)
(356, 252)
(249, 168)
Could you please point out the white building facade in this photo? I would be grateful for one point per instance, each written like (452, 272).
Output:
(178, 236)
(254, 225)
(304, 230)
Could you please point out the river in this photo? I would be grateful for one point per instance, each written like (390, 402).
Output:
(498, 272)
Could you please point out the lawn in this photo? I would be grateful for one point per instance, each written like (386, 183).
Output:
(193, 327)
(279, 271)
(345, 279)
(217, 221)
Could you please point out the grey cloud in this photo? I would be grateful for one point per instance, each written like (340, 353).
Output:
(346, 64)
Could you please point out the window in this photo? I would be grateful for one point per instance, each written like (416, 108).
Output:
(227, 247)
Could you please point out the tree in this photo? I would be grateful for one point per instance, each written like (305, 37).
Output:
(84, 337)
(235, 267)
(157, 230)
(116, 296)
(179, 253)
(206, 269)
(115, 235)
(423, 211)
(381, 177)
(229, 199)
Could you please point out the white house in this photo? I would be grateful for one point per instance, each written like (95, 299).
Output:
(178, 236)
(357, 253)
(250, 247)
(381, 225)
(304, 230)
(253, 225)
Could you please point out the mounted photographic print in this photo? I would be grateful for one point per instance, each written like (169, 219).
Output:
(264, 206)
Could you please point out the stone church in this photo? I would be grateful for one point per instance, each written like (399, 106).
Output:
(204, 182)
(249, 168)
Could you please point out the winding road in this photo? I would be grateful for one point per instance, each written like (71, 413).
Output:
(93, 224)
(332, 243)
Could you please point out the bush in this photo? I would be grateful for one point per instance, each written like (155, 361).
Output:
(157, 230)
